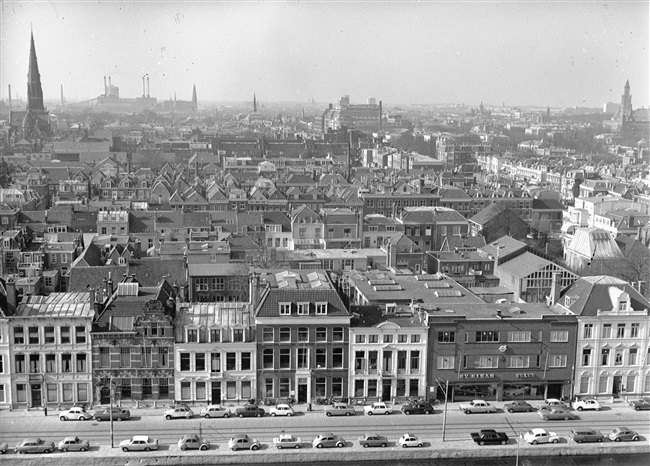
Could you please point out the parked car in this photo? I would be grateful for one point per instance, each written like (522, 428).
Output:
(34, 445)
(518, 406)
(75, 414)
(640, 404)
(193, 442)
(281, 410)
(377, 408)
(409, 440)
(519, 390)
(551, 403)
(287, 441)
(586, 435)
(215, 411)
(249, 411)
(373, 440)
(328, 440)
(477, 406)
(4, 446)
(555, 414)
(104, 414)
(243, 442)
(340, 409)
(139, 443)
(588, 403)
(623, 434)
(417, 408)
(74, 444)
(489, 437)
(178, 412)
(536, 436)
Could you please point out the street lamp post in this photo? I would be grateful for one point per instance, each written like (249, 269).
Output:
(111, 399)
(444, 416)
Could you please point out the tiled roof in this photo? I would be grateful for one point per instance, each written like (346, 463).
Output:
(511, 245)
(525, 264)
(594, 243)
(68, 304)
(592, 294)
(431, 215)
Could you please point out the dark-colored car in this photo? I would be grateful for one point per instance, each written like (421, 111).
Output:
(34, 445)
(518, 406)
(249, 411)
(193, 442)
(490, 437)
(373, 440)
(119, 414)
(586, 435)
(623, 434)
(417, 408)
(640, 404)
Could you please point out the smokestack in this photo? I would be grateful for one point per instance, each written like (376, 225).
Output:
(148, 88)
(62, 101)
(143, 93)
(110, 86)
(9, 96)
(105, 88)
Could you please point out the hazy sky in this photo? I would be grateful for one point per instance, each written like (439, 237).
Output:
(541, 53)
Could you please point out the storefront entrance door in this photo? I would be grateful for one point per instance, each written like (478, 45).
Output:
(616, 388)
(385, 390)
(302, 393)
(216, 393)
(36, 394)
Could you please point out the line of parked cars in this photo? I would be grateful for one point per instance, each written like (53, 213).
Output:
(101, 413)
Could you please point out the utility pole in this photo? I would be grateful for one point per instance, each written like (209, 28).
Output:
(444, 416)
(112, 398)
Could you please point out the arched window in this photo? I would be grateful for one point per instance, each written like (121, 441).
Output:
(603, 381)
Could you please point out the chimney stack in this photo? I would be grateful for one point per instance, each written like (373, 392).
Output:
(148, 88)
(254, 289)
(143, 93)
(12, 301)
(380, 114)
(9, 96)
(110, 86)
(62, 94)
(91, 292)
(105, 88)
(109, 284)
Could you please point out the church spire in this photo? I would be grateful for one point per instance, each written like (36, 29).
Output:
(254, 103)
(34, 89)
(194, 100)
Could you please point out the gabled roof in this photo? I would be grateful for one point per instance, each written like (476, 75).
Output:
(591, 294)
(594, 243)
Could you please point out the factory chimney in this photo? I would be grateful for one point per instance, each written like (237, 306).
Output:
(10, 97)
(62, 101)
(110, 86)
(148, 88)
(380, 114)
(143, 93)
(105, 88)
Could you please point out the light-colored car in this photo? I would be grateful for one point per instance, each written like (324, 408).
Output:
(34, 445)
(74, 444)
(623, 434)
(551, 403)
(373, 440)
(536, 436)
(281, 410)
(477, 406)
(104, 414)
(215, 411)
(555, 414)
(377, 408)
(328, 440)
(588, 403)
(4, 446)
(178, 412)
(139, 443)
(75, 414)
(193, 442)
(340, 409)
(410, 440)
(287, 441)
(243, 442)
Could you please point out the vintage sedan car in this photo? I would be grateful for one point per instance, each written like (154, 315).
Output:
(551, 403)
(281, 410)
(287, 441)
(583, 434)
(518, 406)
(417, 408)
(373, 440)
(588, 403)
(4, 446)
(623, 434)
(215, 411)
(178, 412)
(519, 390)
(640, 404)
(489, 437)
(243, 442)
(249, 411)
(477, 406)
(73, 444)
(555, 414)
(340, 409)
(536, 436)
(378, 407)
(328, 440)
(410, 440)
(139, 443)
(34, 445)
(104, 414)
(75, 414)
(193, 442)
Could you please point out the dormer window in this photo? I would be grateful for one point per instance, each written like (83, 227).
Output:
(391, 308)
(215, 335)
(192, 335)
(303, 309)
(321, 308)
(622, 306)
(285, 309)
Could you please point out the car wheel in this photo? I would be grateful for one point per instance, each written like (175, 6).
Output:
(503, 442)
(534, 442)
(207, 416)
(82, 449)
(279, 447)
(241, 416)
(289, 414)
(254, 447)
(98, 419)
(481, 443)
(258, 415)
(637, 409)
(320, 445)
(125, 449)
(369, 413)
(64, 450)
(204, 447)
(62, 418)
(386, 413)
(183, 448)
(635, 438)
(340, 445)
(297, 447)
(119, 419)
(403, 445)
(580, 408)
(234, 448)
(328, 414)
(168, 417)
(82, 418)
(617, 439)
(365, 445)
(21, 452)
(419, 445)
(600, 440)
(511, 410)
(147, 449)
(383, 445)
(555, 440)
(467, 411)
(545, 418)
(566, 418)
(348, 414)
(530, 410)
(407, 412)
(272, 414)
(427, 411)
(226, 416)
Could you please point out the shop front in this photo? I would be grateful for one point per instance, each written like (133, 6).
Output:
(496, 387)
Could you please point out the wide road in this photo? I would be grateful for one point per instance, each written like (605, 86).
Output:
(308, 425)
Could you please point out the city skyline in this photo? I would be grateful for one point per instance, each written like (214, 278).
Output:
(424, 52)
